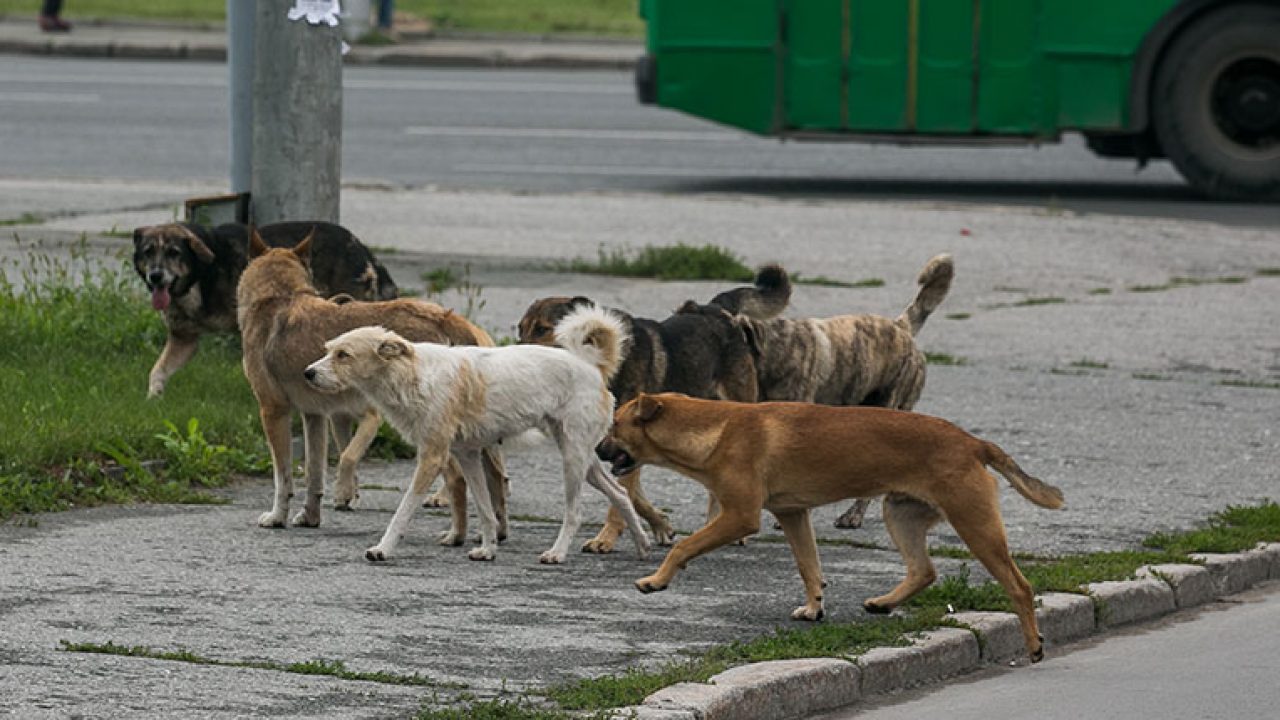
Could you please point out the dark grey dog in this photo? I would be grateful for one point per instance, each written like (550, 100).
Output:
(192, 273)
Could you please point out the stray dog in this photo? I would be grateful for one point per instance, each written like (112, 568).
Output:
(285, 324)
(849, 359)
(192, 273)
(697, 351)
(458, 400)
(788, 457)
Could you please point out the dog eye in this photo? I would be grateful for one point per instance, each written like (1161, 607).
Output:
(343, 355)
(172, 252)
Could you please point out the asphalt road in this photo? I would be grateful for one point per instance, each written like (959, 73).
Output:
(536, 131)
(1194, 665)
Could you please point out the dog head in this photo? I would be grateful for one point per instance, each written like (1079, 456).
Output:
(538, 325)
(274, 272)
(629, 445)
(356, 357)
(167, 258)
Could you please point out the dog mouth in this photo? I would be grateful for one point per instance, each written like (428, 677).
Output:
(622, 463)
(160, 298)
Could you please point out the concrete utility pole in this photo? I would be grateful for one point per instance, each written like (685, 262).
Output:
(297, 117)
(240, 14)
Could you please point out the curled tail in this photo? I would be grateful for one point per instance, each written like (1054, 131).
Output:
(1037, 491)
(596, 335)
(767, 298)
(934, 281)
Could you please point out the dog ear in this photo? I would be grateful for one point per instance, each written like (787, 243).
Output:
(303, 249)
(256, 245)
(688, 307)
(580, 301)
(391, 347)
(137, 237)
(197, 245)
(647, 407)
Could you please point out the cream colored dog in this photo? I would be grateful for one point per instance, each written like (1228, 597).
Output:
(458, 400)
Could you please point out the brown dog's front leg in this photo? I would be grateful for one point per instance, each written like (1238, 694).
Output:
(607, 538)
(731, 524)
(798, 528)
(176, 353)
(275, 425)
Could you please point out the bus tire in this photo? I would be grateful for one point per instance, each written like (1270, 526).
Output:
(1216, 103)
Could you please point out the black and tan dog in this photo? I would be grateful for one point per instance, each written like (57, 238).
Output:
(192, 272)
(285, 325)
(849, 359)
(698, 351)
(789, 457)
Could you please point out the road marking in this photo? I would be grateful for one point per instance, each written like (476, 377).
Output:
(579, 134)
(46, 97)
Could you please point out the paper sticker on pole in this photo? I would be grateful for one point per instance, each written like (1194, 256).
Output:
(316, 11)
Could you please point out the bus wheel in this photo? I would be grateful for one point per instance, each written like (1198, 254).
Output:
(1216, 103)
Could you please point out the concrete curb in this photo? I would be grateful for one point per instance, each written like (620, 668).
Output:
(547, 56)
(797, 688)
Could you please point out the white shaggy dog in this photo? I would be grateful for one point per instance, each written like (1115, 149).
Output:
(459, 400)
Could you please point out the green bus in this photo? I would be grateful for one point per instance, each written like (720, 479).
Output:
(1196, 81)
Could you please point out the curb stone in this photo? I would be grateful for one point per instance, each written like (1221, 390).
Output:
(797, 688)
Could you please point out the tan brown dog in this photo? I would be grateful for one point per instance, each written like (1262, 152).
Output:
(789, 457)
(284, 324)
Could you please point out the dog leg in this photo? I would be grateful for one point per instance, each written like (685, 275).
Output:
(275, 425)
(574, 473)
(908, 521)
(176, 353)
(618, 500)
(430, 462)
(455, 488)
(478, 486)
(731, 524)
(977, 521)
(798, 528)
(315, 437)
(852, 518)
(605, 540)
(495, 474)
(713, 509)
(346, 489)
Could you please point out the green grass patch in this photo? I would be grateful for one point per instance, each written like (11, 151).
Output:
(1182, 282)
(77, 340)
(329, 668)
(669, 262)
(1089, 364)
(1032, 301)
(1100, 291)
(1155, 377)
(439, 280)
(940, 358)
(1239, 527)
(1269, 272)
(519, 708)
(824, 281)
(591, 17)
(23, 219)
(958, 316)
(1256, 384)
(841, 640)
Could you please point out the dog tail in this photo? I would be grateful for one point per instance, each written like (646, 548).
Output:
(934, 281)
(767, 298)
(1037, 491)
(596, 335)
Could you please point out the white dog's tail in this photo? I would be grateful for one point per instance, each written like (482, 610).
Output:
(596, 335)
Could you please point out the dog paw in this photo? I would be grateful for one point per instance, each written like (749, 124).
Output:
(449, 538)
(437, 500)
(342, 506)
(849, 522)
(271, 520)
(807, 612)
(648, 585)
(664, 536)
(480, 553)
(876, 608)
(598, 546)
(375, 554)
(551, 557)
(306, 519)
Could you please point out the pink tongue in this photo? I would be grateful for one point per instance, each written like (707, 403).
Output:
(160, 298)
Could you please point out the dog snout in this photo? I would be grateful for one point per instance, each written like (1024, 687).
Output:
(310, 374)
(155, 278)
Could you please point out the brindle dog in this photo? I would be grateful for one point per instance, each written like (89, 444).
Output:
(849, 359)
(698, 351)
(192, 273)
